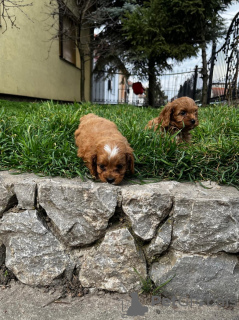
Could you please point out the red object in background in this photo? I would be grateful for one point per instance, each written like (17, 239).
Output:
(138, 88)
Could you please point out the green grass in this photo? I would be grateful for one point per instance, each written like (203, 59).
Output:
(39, 137)
(148, 286)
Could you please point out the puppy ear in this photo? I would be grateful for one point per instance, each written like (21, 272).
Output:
(165, 115)
(93, 165)
(130, 162)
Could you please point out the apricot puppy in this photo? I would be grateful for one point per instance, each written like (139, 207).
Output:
(179, 115)
(105, 151)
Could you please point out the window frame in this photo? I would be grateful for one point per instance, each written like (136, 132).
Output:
(62, 16)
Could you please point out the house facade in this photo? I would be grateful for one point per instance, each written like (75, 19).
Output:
(36, 62)
(115, 89)
(105, 90)
(109, 88)
(218, 91)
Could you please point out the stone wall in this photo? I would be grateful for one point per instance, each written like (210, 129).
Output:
(52, 227)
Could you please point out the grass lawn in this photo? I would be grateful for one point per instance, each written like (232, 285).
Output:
(39, 137)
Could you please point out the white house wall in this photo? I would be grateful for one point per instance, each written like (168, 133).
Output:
(101, 93)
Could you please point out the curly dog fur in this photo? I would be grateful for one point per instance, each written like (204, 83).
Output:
(104, 149)
(180, 115)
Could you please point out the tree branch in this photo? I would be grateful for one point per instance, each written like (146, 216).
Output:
(6, 12)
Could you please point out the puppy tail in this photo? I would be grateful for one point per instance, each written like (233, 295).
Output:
(152, 124)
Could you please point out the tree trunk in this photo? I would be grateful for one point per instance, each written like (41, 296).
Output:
(82, 81)
(152, 83)
(204, 74)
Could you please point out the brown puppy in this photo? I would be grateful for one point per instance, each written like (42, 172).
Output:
(105, 151)
(181, 114)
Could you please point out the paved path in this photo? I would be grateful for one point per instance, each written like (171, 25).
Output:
(26, 303)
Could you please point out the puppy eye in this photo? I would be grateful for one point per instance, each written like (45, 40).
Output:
(119, 166)
(102, 167)
(183, 113)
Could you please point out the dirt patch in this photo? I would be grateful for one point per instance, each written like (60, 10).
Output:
(73, 287)
(66, 288)
(6, 275)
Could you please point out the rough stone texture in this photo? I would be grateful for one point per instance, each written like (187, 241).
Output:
(206, 220)
(185, 230)
(161, 241)
(17, 189)
(146, 207)
(216, 276)
(80, 211)
(111, 265)
(33, 254)
(26, 194)
(6, 195)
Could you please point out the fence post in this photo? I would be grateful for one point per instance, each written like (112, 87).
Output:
(209, 88)
(195, 82)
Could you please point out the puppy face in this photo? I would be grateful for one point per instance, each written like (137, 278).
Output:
(112, 162)
(184, 116)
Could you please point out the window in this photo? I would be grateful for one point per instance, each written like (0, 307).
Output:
(109, 85)
(67, 36)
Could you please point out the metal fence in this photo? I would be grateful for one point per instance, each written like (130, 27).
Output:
(169, 86)
(184, 83)
(223, 68)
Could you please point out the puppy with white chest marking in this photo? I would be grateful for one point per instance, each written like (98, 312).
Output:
(104, 149)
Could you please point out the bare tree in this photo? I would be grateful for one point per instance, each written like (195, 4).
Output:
(74, 24)
(71, 22)
(8, 14)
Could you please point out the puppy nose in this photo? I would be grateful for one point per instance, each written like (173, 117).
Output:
(110, 180)
(193, 121)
